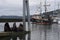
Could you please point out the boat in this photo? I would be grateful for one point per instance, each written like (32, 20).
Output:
(54, 21)
(43, 20)
(58, 21)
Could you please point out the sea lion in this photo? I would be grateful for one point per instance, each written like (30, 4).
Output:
(7, 27)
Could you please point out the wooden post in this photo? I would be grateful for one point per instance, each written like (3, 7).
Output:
(26, 10)
(28, 14)
(24, 14)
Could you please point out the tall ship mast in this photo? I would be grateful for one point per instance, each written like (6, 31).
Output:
(40, 7)
(44, 18)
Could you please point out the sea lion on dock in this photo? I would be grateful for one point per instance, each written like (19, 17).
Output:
(14, 28)
(20, 28)
(7, 27)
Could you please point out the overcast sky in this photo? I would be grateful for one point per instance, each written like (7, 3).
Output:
(14, 7)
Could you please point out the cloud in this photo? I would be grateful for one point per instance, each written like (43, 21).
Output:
(34, 2)
(12, 3)
(10, 11)
(15, 7)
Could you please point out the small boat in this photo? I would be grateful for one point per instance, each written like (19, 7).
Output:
(55, 21)
(58, 21)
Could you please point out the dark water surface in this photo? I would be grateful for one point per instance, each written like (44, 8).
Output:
(38, 32)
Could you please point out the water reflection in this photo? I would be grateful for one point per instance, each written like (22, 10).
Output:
(46, 27)
(39, 32)
(19, 37)
(5, 38)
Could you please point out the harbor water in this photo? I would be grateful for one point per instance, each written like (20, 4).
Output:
(38, 32)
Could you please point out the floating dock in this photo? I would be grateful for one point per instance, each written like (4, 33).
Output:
(4, 34)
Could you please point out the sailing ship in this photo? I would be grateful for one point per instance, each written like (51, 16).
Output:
(42, 18)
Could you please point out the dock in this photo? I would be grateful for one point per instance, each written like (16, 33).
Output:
(5, 34)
